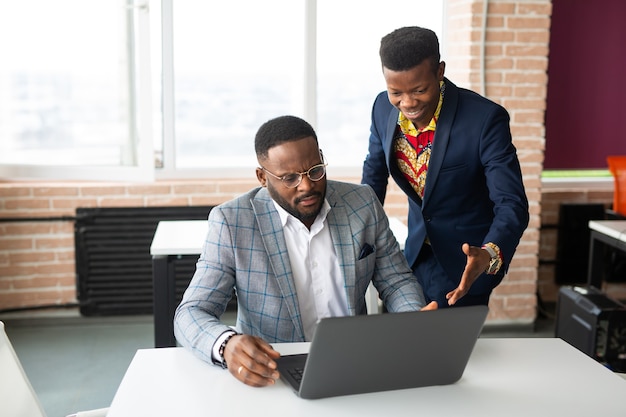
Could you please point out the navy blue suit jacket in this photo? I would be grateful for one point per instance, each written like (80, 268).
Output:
(473, 192)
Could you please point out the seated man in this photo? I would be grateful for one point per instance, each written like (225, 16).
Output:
(295, 250)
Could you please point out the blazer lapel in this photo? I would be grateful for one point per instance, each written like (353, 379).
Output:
(341, 234)
(392, 123)
(276, 248)
(442, 137)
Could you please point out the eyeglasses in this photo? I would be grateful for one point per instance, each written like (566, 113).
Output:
(315, 173)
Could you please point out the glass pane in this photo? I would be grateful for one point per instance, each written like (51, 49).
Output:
(64, 83)
(349, 73)
(236, 65)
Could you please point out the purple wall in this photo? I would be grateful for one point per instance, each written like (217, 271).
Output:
(586, 103)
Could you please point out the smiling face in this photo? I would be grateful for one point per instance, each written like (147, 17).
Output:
(304, 201)
(415, 92)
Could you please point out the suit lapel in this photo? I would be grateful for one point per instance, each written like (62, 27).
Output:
(392, 122)
(341, 234)
(276, 248)
(442, 137)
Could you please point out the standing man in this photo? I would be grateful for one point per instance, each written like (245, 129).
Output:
(296, 249)
(450, 150)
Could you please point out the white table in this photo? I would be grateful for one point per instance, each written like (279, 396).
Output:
(603, 233)
(504, 377)
(185, 237)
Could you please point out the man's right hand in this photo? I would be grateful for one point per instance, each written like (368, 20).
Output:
(251, 360)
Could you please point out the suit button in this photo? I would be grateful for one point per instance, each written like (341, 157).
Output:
(427, 218)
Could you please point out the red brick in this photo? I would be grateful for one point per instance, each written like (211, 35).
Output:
(102, 190)
(514, 22)
(60, 190)
(17, 243)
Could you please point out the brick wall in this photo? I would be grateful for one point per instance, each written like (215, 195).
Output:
(37, 229)
(500, 49)
(36, 257)
(37, 266)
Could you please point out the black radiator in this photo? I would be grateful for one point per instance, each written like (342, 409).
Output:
(113, 262)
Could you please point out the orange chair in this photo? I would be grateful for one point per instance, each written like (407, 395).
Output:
(617, 166)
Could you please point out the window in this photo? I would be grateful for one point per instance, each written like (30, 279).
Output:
(128, 90)
(235, 65)
(322, 65)
(68, 91)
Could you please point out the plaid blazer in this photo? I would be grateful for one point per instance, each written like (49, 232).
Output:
(245, 251)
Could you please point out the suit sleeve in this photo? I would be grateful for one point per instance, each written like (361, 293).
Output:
(504, 182)
(375, 171)
(196, 320)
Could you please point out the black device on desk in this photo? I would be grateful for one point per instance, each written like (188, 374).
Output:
(593, 323)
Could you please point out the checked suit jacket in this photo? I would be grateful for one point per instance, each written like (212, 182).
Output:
(245, 250)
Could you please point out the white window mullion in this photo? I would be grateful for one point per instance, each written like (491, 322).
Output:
(310, 62)
(143, 139)
(167, 85)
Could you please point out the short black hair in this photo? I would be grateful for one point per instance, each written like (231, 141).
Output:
(280, 130)
(408, 47)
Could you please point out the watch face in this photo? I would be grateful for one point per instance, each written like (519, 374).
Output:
(494, 266)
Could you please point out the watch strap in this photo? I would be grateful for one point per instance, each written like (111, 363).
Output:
(496, 258)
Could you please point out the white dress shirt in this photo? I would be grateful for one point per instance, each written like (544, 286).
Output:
(319, 282)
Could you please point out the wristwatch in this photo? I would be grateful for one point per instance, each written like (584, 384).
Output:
(496, 259)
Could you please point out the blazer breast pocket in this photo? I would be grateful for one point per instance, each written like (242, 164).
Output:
(366, 250)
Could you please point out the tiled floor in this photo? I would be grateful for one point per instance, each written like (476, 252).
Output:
(76, 363)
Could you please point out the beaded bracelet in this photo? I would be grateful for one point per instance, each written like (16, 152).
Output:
(223, 347)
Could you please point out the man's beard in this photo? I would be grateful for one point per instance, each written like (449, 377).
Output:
(302, 216)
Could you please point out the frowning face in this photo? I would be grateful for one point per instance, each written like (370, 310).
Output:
(305, 200)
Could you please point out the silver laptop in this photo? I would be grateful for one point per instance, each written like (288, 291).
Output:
(359, 354)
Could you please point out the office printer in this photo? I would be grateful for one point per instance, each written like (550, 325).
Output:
(594, 323)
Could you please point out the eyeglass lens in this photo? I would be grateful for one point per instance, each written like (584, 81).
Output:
(315, 173)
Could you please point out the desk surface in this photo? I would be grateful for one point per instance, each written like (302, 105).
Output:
(504, 377)
(186, 237)
(179, 237)
(613, 228)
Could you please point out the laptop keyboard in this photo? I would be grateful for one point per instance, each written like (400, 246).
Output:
(296, 373)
